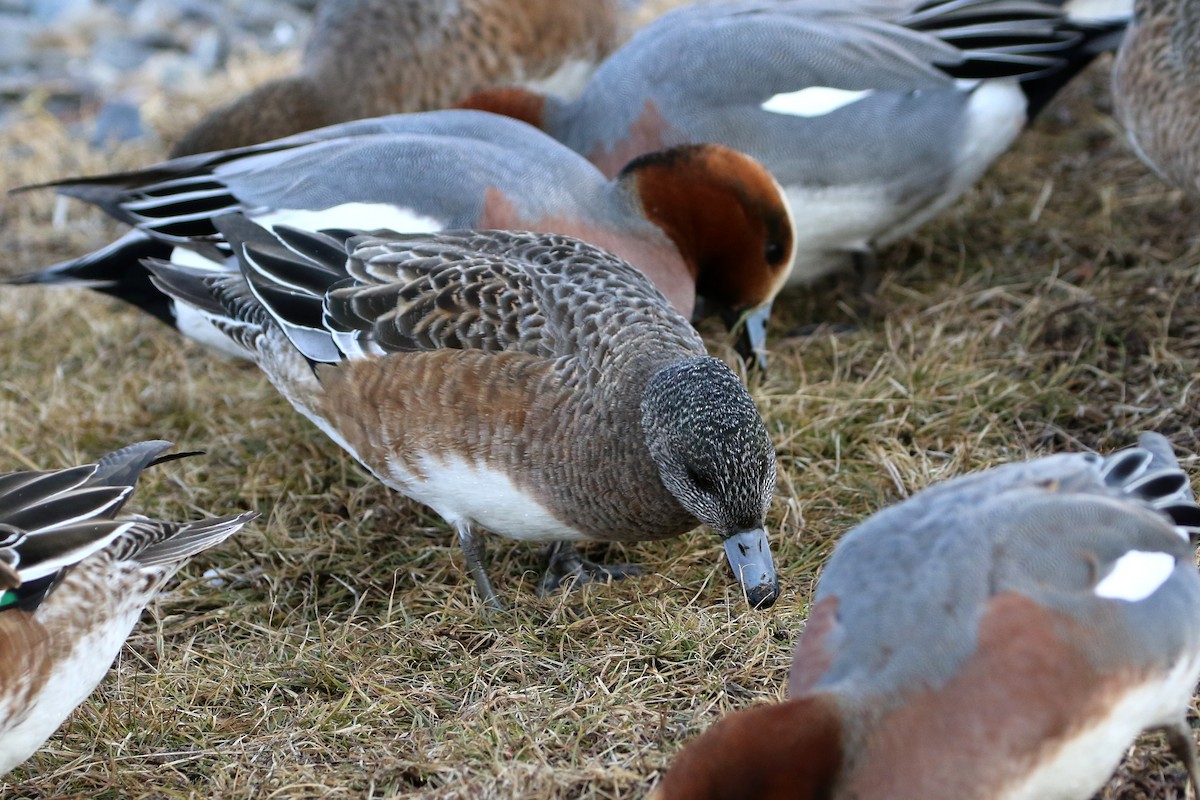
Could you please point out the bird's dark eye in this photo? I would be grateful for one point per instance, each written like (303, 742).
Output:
(774, 252)
(701, 481)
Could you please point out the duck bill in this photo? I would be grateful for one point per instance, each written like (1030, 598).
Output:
(750, 556)
(751, 330)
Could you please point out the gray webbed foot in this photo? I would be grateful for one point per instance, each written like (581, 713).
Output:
(563, 563)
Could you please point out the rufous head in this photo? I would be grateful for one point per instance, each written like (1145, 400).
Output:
(727, 216)
(785, 751)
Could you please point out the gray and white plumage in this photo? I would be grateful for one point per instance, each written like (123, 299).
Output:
(872, 125)
(697, 220)
(74, 578)
(1004, 635)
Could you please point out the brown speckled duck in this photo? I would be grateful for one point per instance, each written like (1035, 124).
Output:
(1156, 89)
(367, 58)
(530, 384)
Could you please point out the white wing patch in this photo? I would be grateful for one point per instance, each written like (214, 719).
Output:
(1136, 575)
(353, 216)
(815, 101)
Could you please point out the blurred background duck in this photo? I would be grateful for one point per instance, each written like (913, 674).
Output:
(1156, 89)
(367, 58)
(871, 126)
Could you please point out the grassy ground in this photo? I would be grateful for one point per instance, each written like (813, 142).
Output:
(342, 654)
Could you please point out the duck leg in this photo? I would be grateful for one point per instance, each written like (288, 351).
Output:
(472, 547)
(1183, 747)
(564, 561)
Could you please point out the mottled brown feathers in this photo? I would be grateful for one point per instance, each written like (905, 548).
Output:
(367, 58)
(1156, 92)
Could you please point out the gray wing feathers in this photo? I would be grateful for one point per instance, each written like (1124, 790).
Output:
(52, 520)
(154, 544)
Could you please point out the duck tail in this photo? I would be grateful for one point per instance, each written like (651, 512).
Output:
(1042, 44)
(1151, 473)
(115, 270)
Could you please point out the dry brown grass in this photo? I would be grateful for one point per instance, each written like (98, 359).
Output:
(345, 655)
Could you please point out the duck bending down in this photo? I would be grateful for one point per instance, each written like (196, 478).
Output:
(530, 384)
(1001, 635)
(74, 578)
(698, 220)
(872, 126)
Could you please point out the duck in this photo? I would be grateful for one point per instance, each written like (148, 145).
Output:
(367, 58)
(74, 578)
(873, 126)
(1005, 634)
(529, 384)
(1155, 95)
(699, 220)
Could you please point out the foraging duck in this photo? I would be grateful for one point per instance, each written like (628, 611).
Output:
(526, 383)
(1156, 94)
(367, 58)
(1001, 635)
(74, 578)
(872, 127)
(697, 220)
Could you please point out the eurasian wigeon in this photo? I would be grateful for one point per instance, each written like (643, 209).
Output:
(74, 578)
(526, 383)
(697, 219)
(1156, 89)
(367, 58)
(872, 127)
(1002, 635)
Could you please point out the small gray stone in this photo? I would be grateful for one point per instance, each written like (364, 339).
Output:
(117, 121)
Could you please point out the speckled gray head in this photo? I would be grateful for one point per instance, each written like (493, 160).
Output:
(715, 457)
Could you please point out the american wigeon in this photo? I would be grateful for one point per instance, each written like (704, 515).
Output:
(872, 127)
(530, 384)
(1002, 635)
(74, 578)
(1156, 89)
(366, 58)
(697, 220)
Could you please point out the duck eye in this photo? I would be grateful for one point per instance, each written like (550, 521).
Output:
(701, 481)
(774, 251)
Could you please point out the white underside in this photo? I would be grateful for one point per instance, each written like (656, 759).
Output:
(834, 222)
(458, 490)
(995, 118)
(831, 223)
(466, 492)
(69, 685)
(1085, 763)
